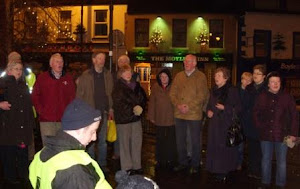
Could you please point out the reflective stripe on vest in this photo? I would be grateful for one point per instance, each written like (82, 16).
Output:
(41, 174)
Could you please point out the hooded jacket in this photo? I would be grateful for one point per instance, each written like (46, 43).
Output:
(160, 108)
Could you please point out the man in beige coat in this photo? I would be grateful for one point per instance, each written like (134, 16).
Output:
(94, 87)
(189, 95)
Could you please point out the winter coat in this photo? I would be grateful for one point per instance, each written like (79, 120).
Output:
(160, 108)
(275, 116)
(251, 93)
(85, 87)
(16, 124)
(51, 96)
(244, 114)
(220, 158)
(191, 90)
(125, 99)
(68, 178)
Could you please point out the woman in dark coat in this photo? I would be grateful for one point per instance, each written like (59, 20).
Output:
(161, 114)
(275, 116)
(224, 98)
(16, 123)
(129, 100)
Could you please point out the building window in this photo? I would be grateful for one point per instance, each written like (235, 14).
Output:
(142, 32)
(30, 25)
(267, 4)
(65, 25)
(179, 33)
(216, 33)
(262, 43)
(296, 45)
(101, 24)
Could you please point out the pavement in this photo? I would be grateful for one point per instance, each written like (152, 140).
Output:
(167, 179)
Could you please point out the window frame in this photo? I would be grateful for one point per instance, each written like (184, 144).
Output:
(176, 35)
(267, 45)
(294, 45)
(144, 33)
(107, 22)
(61, 26)
(212, 36)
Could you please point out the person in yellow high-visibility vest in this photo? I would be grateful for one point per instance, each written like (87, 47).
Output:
(63, 162)
(30, 79)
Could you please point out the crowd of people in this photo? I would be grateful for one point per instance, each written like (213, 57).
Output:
(73, 123)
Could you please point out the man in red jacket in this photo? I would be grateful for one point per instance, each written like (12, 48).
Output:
(52, 92)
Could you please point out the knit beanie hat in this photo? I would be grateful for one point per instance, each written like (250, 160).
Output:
(79, 114)
(125, 181)
(14, 57)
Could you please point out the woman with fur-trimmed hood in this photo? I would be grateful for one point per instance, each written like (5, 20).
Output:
(160, 113)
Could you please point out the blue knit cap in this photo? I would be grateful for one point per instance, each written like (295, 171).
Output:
(79, 114)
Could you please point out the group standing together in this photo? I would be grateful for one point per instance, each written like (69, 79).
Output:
(70, 115)
(266, 112)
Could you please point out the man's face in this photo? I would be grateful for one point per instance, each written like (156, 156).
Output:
(99, 61)
(57, 64)
(122, 62)
(89, 133)
(189, 63)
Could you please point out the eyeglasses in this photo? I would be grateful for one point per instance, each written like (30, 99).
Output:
(257, 73)
(18, 69)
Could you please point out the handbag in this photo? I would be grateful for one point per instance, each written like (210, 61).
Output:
(111, 131)
(234, 133)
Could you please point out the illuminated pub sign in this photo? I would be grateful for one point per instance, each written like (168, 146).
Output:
(137, 57)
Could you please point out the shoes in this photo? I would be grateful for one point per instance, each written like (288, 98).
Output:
(194, 170)
(220, 178)
(179, 168)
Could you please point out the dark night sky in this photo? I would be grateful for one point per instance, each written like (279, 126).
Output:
(185, 6)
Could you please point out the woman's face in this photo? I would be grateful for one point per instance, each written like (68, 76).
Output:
(16, 71)
(164, 78)
(258, 76)
(219, 79)
(274, 84)
(126, 75)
